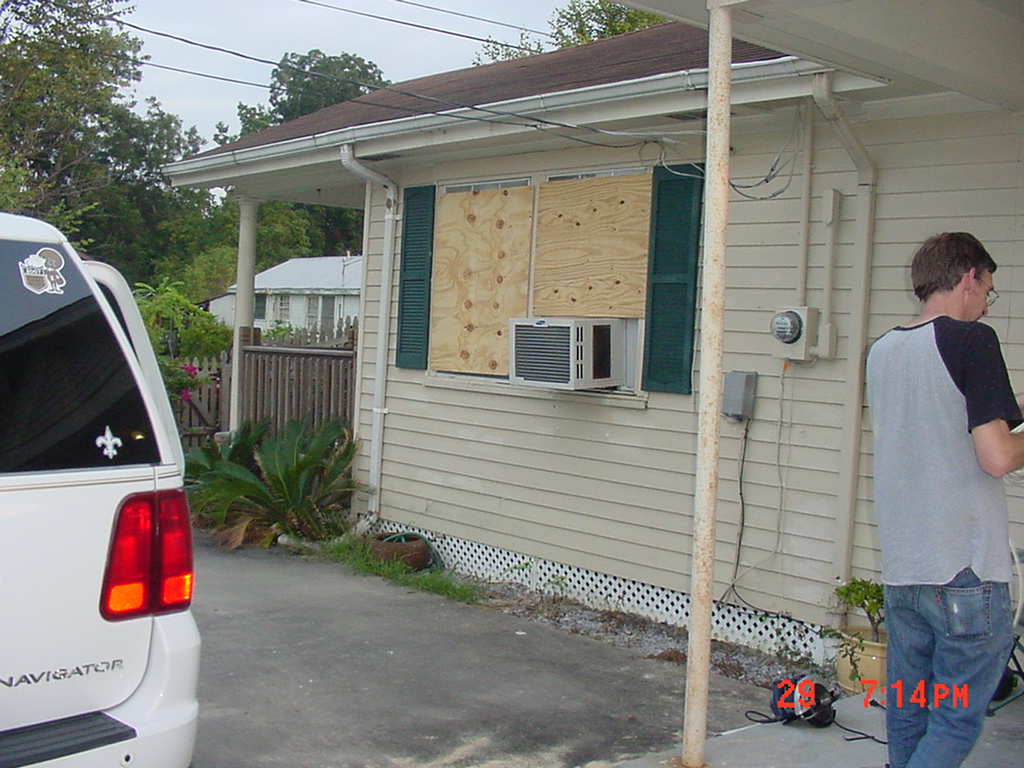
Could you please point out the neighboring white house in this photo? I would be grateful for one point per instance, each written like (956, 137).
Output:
(312, 292)
(569, 184)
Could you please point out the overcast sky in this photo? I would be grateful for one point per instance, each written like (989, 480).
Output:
(268, 29)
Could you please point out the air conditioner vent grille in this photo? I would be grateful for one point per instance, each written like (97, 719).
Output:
(567, 352)
(543, 354)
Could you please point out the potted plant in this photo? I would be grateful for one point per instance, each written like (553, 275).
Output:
(861, 649)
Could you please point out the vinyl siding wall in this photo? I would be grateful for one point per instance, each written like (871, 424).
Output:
(606, 483)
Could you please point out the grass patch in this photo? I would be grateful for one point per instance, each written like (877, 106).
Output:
(354, 553)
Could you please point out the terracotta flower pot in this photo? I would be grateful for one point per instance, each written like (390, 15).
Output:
(406, 548)
(868, 660)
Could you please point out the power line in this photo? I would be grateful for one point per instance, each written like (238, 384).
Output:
(502, 117)
(475, 18)
(448, 104)
(208, 76)
(350, 81)
(413, 25)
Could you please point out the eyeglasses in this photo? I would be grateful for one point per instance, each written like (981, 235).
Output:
(993, 294)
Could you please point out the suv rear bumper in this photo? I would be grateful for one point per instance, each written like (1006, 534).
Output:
(155, 727)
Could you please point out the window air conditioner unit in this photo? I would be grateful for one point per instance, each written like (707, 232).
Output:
(567, 352)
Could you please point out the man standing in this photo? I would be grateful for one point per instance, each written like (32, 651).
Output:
(941, 411)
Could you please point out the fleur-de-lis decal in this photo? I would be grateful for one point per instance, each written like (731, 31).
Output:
(108, 443)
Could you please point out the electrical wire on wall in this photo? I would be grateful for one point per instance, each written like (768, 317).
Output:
(785, 158)
(741, 523)
(782, 476)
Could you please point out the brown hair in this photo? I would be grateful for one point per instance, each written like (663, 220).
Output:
(942, 260)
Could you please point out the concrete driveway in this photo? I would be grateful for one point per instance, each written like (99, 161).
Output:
(307, 665)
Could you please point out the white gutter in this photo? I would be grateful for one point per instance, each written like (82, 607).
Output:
(380, 367)
(853, 396)
(485, 124)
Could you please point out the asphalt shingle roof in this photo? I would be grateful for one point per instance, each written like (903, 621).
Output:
(671, 47)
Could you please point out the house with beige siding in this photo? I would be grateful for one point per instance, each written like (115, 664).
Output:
(531, 312)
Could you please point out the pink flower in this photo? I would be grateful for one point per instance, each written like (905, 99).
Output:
(191, 370)
(186, 396)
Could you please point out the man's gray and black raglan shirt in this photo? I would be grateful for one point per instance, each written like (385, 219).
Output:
(938, 511)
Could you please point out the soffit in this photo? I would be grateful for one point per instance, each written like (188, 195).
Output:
(973, 47)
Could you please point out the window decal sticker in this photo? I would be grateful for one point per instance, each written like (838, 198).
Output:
(108, 443)
(41, 272)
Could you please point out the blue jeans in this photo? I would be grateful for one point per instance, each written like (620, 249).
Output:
(947, 649)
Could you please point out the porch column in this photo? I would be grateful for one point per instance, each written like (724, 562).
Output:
(245, 298)
(712, 325)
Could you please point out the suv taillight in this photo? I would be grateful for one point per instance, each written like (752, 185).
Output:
(149, 568)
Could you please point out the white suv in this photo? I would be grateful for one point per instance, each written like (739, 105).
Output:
(99, 653)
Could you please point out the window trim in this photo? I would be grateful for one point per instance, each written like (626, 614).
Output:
(673, 255)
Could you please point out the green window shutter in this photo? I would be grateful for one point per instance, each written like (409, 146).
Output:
(414, 277)
(672, 279)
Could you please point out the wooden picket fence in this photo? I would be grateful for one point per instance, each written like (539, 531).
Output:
(202, 413)
(289, 383)
(307, 375)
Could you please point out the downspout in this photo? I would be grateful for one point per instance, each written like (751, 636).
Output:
(849, 465)
(380, 368)
(807, 173)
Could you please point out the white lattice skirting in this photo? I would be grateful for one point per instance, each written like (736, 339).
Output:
(730, 623)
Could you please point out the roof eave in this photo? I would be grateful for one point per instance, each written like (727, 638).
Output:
(755, 82)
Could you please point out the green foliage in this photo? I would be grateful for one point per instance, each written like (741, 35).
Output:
(126, 221)
(300, 486)
(62, 65)
(202, 246)
(584, 21)
(75, 152)
(239, 448)
(868, 596)
(179, 378)
(210, 273)
(494, 50)
(305, 83)
(252, 118)
(354, 553)
(178, 327)
(577, 23)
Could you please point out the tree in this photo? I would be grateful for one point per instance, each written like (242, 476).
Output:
(252, 118)
(304, 83)
(584, 21)
(494, 50)
(177, 327)
(578, 23)
(127, 216)
(301, 84)
(73, 150)
(62, 66)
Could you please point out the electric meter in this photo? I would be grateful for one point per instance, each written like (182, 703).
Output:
(787, 326)
(795, 331)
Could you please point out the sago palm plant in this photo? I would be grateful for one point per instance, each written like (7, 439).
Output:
(301, 487)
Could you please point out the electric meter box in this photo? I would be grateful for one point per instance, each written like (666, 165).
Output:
(795, 333)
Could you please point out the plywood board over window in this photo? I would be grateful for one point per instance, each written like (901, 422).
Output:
(480, 278)
(592, 240)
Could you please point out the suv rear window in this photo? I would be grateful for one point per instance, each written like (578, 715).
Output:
(68, 398)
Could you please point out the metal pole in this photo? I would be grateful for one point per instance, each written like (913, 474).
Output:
(245, 298)
(716, 196)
